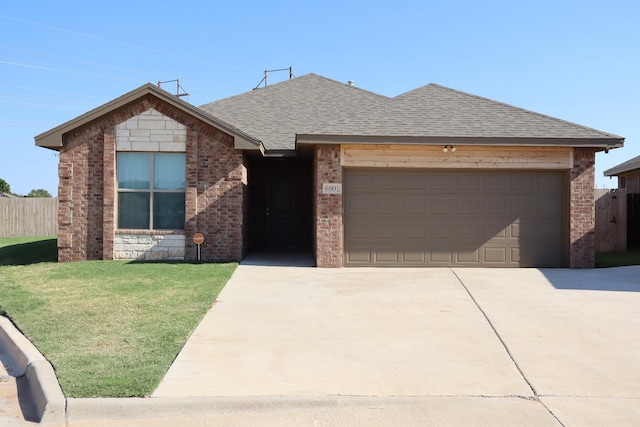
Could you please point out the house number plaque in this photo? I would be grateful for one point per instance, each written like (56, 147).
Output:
(329, 188)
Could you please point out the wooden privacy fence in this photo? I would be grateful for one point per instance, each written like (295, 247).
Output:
(611, 220)
(28, 217)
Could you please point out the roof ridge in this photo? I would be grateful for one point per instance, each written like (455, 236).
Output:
(295, 79)
(609, 135)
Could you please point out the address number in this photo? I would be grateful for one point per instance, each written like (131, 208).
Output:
(328, 188)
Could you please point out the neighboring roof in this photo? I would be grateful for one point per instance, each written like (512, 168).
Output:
(316, 109)
(53, 138)
(2, 194)
(627, 166)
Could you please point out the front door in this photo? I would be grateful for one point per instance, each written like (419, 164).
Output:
(280, 204)
(280, 213)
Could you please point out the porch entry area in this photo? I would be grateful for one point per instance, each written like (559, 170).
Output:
(280, 206)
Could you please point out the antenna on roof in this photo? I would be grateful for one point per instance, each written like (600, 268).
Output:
(265, 79)
(179, 89)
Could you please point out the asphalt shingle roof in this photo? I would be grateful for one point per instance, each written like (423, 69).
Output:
(627, 166)
(315, 105)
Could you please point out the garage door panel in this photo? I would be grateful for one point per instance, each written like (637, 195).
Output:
(386, 206)
(414, 231)
(413, 182)
(439, 182)
(386, 181)
(386, 256)
(413, 256)
(550, 182)
(469, 231)
(495, 183)
(413, 205)
(547, 206)
(440, 256)
(449, 218)
(359, 205)
(495, 255)
(441, 205)
(468, 182)
(385, 231)
(470, 206)
(521, 183)
(468, 256)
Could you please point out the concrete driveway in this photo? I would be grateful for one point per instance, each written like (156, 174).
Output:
(421, 346)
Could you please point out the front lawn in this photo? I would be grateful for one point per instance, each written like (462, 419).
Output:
(109, 328)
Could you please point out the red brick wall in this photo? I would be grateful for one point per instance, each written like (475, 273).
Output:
(87, 188)
(80, 193)
(582, 210)
(328, 207)
(214, 199)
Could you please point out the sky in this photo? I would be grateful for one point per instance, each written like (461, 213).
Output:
(575, 60)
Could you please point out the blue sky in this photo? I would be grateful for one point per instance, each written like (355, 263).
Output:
(575, 60)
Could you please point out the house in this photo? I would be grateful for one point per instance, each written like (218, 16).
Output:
(628, 174)
(432, 177)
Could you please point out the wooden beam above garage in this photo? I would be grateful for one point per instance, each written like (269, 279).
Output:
(463, 157)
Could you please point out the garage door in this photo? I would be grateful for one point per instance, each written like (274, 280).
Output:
(453, 218)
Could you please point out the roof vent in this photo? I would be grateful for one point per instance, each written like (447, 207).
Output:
(351, 83)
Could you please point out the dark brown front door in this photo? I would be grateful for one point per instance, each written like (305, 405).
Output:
(280, 210)
(280, 213)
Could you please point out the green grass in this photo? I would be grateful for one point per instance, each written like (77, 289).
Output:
(27, 250)
(109, 328)
(618, 259)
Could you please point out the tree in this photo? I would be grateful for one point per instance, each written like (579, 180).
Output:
(40, 192)
(4, 186)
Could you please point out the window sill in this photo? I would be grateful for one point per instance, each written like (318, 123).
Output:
(145, 232)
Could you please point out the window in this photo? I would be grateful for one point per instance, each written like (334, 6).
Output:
(622, 182)
(151, 189)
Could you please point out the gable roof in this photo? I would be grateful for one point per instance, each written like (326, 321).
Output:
(316, 109)
(53, 138)
(627, 166)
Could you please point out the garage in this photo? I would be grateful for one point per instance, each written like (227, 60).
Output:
(440, 218)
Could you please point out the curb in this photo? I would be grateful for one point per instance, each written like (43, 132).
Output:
(24, 359)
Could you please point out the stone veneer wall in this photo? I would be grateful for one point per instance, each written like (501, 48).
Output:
(582, 210)
(151, 131)
(149, 247)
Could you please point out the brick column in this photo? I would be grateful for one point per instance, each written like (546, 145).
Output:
(191, 195)
(328, 207)
(108, 201)
(65, 207)
(582, 210)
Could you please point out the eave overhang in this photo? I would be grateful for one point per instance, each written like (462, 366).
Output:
(599, 144)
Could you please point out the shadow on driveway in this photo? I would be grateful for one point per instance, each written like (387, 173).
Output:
(620, 279)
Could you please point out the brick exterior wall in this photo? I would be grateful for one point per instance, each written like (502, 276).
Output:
(87, 192)
(328, 207)
(214, 199)
(582, 210)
